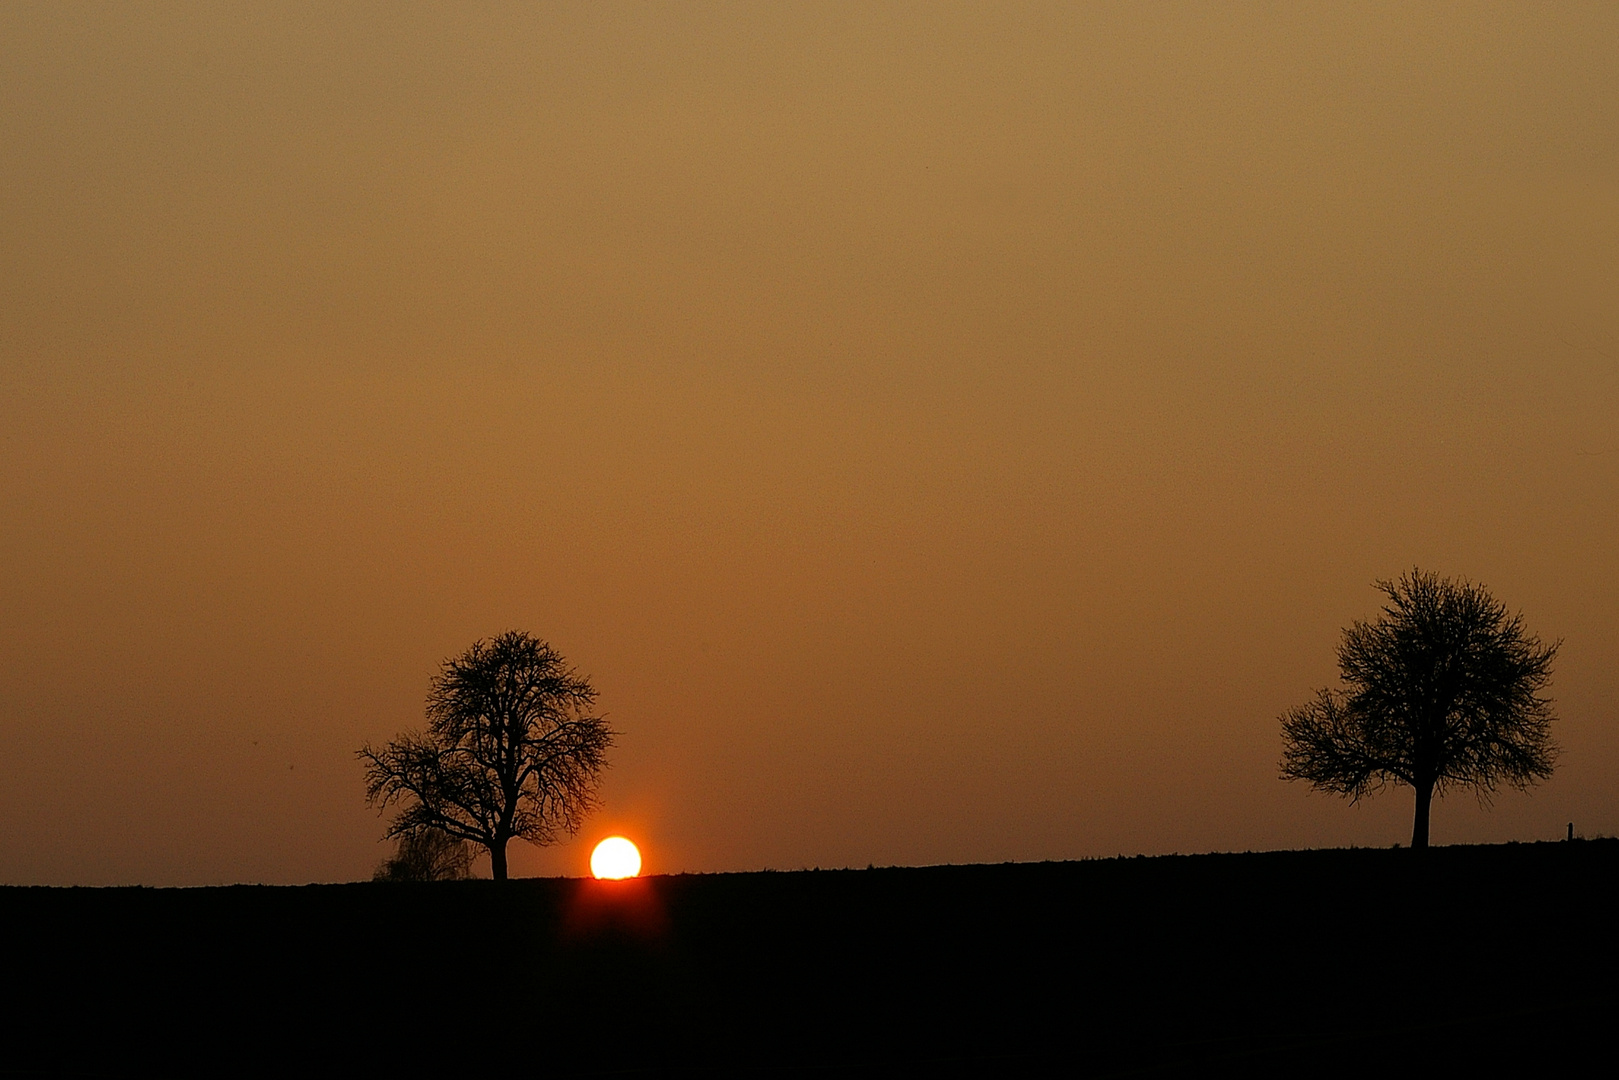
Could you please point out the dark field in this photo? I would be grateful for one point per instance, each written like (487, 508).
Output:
(1488, 960)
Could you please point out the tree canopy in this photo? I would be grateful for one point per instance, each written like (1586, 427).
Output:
(1444, 689)
(513, 748)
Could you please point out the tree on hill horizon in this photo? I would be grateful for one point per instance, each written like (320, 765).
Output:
(1443, 690)
(513, 748)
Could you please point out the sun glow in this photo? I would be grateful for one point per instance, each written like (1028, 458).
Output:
(615, 858)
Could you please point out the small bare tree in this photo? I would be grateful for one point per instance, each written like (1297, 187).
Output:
(1444, 690)
(512, 748)
(427, 855)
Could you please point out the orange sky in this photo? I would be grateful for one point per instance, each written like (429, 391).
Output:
(944, 433)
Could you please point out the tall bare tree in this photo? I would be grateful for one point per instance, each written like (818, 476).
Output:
(1444, 689)
(513, 748)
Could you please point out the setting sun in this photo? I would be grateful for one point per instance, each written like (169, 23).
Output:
(615, 858)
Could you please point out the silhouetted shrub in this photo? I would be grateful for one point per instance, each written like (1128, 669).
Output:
(427, 855)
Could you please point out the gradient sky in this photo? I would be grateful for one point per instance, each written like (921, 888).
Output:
(943, 433)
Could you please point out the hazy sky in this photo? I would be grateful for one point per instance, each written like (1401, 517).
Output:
(943, 433)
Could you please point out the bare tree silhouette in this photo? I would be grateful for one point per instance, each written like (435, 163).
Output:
(512, 749)
(1444, 689)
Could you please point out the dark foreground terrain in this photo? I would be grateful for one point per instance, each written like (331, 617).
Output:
(1484, 960)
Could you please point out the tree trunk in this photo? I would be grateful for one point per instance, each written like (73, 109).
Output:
(1419, 830)
(497, 859)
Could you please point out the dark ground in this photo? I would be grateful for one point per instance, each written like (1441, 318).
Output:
(1481, 960)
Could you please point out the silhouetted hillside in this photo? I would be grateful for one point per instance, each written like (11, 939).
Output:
(1488, 959)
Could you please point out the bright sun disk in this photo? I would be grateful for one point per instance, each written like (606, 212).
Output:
(615, 858)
